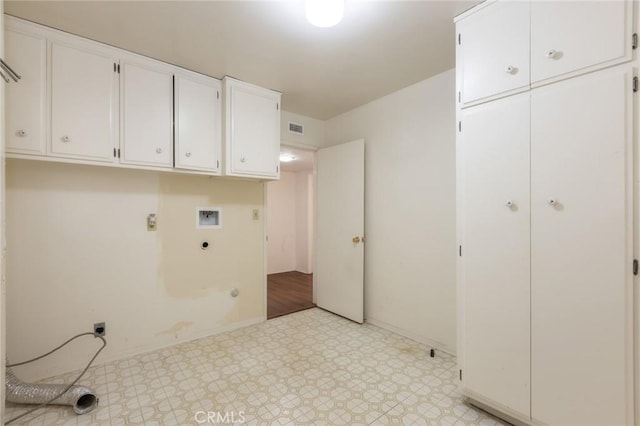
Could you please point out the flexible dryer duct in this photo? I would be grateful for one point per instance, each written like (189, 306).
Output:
(81, 398)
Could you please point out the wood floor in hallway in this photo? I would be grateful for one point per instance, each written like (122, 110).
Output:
(289, 292)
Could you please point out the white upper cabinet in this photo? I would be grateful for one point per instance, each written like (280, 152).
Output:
(83, 102)
(25, 100)
(505, 47)
(146, 110)
(493, 51)
(570, 37)
(252, 130)
(198, 122)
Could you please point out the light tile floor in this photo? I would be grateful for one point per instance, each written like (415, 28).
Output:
(308, 368)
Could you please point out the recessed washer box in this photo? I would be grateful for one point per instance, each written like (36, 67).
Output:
(208, 217)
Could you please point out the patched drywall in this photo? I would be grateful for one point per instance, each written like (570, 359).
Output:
(78, 252)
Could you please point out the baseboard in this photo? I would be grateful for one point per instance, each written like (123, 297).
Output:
(431, 343)
(200, 335)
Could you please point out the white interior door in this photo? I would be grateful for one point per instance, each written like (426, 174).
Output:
(340, 230)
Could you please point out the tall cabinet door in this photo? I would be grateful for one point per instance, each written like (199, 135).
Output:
(495, 251)
(146, 124)
(25, 100)
(581, 202)
(83, 103)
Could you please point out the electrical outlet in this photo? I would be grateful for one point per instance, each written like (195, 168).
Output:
(100, 329)
(256, 214)
(152, 222)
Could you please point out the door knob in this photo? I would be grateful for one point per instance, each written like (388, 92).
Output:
(21, 133)
(510, 69)
(509, 203)
(159, 150)
(356, 240)
(242, 159)
(552, 54)
(553, 201)
(188, 154)
(66, 139)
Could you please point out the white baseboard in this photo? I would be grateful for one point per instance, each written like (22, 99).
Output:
(431, 343)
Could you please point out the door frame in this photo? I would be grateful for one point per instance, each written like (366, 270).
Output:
(301, 147)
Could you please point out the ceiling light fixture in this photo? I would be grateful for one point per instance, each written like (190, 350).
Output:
(285, 158)
(324, 13)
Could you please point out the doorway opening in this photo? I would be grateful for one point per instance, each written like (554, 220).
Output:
(290, 231)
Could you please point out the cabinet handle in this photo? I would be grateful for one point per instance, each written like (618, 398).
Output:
(21, 133)
(511, 69)
(188, 154)
(553, 201)
(66, 139)
(509, 203)
(242, 159)
(159, 150)
(553, 54)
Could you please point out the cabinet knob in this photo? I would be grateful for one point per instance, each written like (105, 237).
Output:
(509, 203)
(65, 139)
(553, 54)
(188, 154)
(242, 159)
(159, 150)
(511, 69)
(21, 133)
(552, 201)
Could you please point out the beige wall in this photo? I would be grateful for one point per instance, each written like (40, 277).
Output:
(290, 223)
(79, 252)
(304, 222)
(2, 229)
(410, 281)
(314, 130)
(281, 224)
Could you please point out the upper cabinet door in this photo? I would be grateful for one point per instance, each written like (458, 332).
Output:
(25, 100)
(198, 123)
(572, 37)
(252, 130)
(146, 94)
(493, 52)
(83, 102)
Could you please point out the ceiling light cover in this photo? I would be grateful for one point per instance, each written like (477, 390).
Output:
(285, 158)
(324, 13)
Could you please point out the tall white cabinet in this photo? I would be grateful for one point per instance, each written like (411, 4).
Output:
(545, 220)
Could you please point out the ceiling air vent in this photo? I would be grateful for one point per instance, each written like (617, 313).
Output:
(296, 128)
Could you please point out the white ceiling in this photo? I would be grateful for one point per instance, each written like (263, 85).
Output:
(378, 48)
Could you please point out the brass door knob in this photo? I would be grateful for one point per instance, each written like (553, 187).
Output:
(356, 240)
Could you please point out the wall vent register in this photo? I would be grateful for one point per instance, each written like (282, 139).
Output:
(296, 128)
